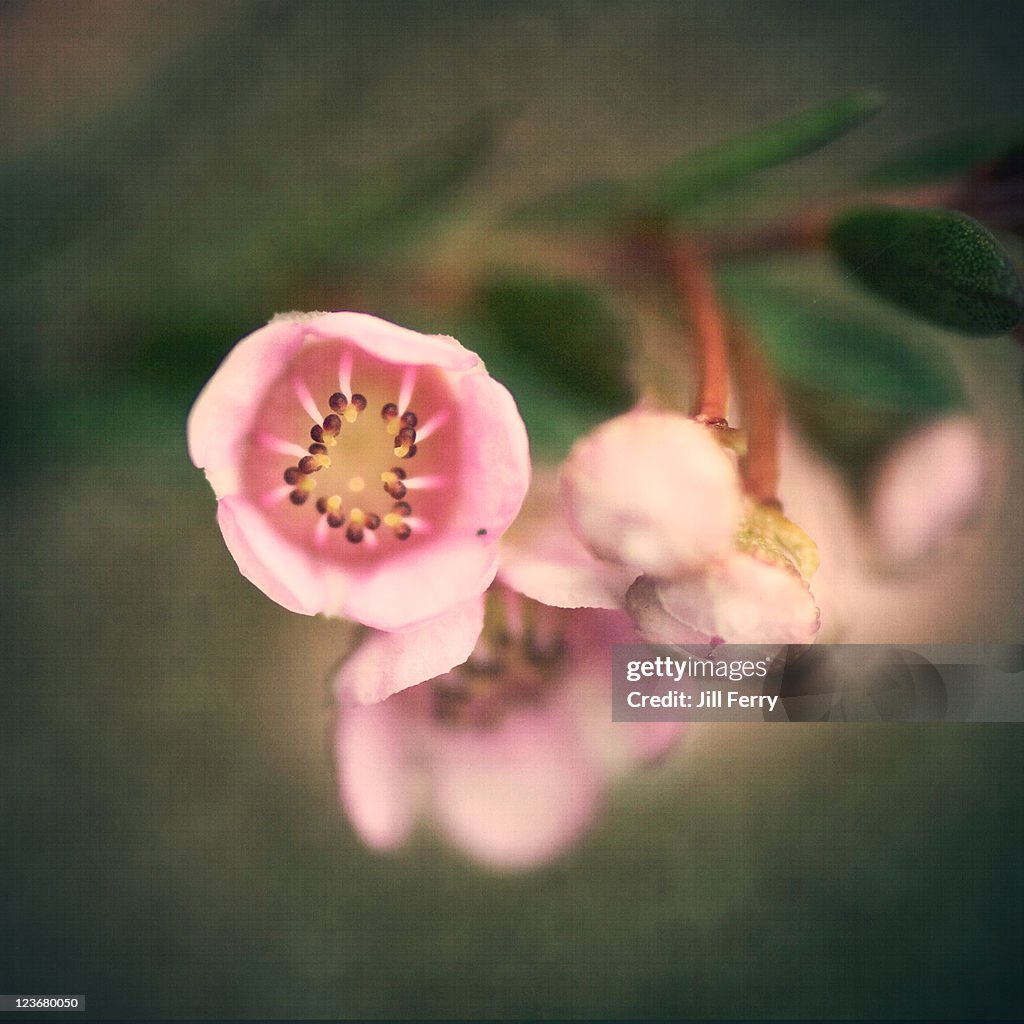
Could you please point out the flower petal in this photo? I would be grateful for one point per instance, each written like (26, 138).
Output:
(222, 414)
(653, 491)
(928, 487)
(519, 795)
(739, 600)
(375, 751)
(388, 662)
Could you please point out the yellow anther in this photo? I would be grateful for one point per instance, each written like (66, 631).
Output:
(351, 413)
(357, 517)
(333, 503)
(356, 484)
(392, 519)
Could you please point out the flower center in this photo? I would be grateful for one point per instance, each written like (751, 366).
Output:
(340, 456)
(518, 662)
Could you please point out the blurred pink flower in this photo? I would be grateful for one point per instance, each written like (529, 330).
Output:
(361, 469)
(509, 754)
(927, 487)
(654, 491)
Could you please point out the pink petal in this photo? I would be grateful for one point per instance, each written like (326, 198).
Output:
(494, 454)
(222, 414)
(548, 564)
(283, 572)
(388, 341)
(388, 662)
(739, 600)
(519, 795)
(377, 779)
(928, 487)
(654, 491)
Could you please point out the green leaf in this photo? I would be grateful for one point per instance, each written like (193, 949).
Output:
(681, 186)
(566, 332)
(948, 155)
(938, 264)
(853, 385)
(687, 182)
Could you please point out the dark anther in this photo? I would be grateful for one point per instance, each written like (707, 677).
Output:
(372, 521)
(307, 465)
(395, 489)
(334, 521)
(403, 508)
(409, 419)
(338, 402)
(332, 425)
(354, 534)
(405, 436)
(318, 449)
(359, 401)
(389, 412)
(299, 497)
(402, 531)
(482, 532)
(316, 432)
(292, 475)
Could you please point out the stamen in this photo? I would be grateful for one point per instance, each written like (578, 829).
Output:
(389, 414)
(354, 533)
(357, 403)
(314, 463)
(405, 443)
(318, 449)
(338, 401)
(299, 497)
(433, 424)
(292, 475)
(345, 373)
(423, 483)
(409, 419)
(316, 432)
(406, 388)
(372, 521)
(332, 426)
(306, 399)
(275, 444)
(402, 508)
(274, 497)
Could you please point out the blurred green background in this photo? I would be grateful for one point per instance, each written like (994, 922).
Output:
(174, 173)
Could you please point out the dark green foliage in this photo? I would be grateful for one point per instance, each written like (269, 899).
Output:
(938, 264)
(853, 386)
(680, 187)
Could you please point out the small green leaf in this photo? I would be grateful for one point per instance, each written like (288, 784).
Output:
(681, 186)
(854, 386)
(938, 264)
(566, 331)
(687, 182)
(948, 155)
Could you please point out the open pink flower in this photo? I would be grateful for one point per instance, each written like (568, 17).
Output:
(509, 754)
(361, 469)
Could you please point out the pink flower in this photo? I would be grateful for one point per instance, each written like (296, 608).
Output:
(361, 469)
(509, 754)
(654, 491)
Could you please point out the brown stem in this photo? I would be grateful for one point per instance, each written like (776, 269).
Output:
(697, 291)
(761, 417)
(808, 229)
